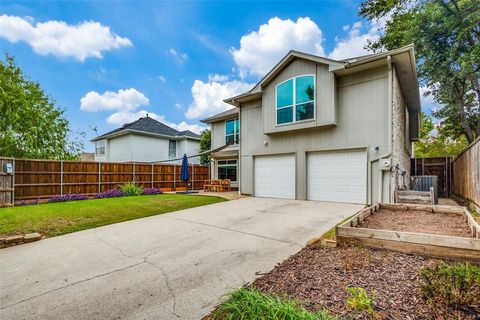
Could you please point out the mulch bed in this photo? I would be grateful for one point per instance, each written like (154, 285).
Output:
(449, 224)
(319, 277)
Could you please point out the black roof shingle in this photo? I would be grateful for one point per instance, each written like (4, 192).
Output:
(150, 125)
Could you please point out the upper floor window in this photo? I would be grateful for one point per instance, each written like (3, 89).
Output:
(295, 99)
(100, 148)
(172, 148)
(232, 129)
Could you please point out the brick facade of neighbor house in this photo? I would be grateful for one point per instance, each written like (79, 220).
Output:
(401, 144)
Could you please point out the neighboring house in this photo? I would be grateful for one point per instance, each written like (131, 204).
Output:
(320, 129)
(146, 140)
(87, 156)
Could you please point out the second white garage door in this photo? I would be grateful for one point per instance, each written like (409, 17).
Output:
(274, 176)
(339, 176)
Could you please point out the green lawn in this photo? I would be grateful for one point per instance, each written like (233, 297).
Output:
(54, 219)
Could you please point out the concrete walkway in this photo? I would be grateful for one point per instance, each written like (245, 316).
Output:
(170, 266)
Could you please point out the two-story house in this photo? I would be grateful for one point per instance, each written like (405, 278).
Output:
(146, 140)
(320, 129)
(225, 128)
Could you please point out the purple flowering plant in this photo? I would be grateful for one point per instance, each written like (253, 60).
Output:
(68, 197)
(112, 193)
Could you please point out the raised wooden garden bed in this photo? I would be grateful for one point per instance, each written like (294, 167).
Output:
(441, 231)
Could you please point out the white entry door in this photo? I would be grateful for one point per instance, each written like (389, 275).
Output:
(337, 176)
(274, 176)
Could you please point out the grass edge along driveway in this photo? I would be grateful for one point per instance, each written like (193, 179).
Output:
(54, 219)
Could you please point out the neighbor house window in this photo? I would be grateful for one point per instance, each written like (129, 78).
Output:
(227, 169)
(295, 99)
(232, 129)
(100, 148)
(172, 148)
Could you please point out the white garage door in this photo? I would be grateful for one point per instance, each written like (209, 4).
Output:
(338, 176)
(274, 176)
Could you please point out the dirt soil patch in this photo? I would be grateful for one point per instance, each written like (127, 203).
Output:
(449, 224)
(320, 276)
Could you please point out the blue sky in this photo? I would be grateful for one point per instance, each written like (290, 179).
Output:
(108, 63)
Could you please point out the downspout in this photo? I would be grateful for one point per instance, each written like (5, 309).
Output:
(239, 166)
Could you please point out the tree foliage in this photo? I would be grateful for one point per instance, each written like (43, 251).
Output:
(31, 126)
(446, 34)
(433, 142)
(205, 145)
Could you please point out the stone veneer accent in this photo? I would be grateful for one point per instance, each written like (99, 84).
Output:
(400, 154)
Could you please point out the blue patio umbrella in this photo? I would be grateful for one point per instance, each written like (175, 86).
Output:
(184, 173)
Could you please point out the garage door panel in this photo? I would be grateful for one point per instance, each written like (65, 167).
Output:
(338, 176)
(274, 176)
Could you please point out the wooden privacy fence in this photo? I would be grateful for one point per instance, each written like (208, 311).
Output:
(466, 172)
(440, 167)
(6, 181)
(37, 179)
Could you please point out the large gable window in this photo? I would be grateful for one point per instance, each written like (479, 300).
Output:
(232, 128)
(295, 99)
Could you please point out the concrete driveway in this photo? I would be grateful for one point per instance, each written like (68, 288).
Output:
(175, 265)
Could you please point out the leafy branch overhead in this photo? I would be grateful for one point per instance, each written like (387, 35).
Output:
(446, 35)
(31, 125)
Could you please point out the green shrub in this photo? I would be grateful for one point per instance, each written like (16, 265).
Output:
(360, 301)
(247, 303)
(131, 189)
(451, 285)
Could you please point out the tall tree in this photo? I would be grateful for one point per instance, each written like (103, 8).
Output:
(446, 34)
(433, 142)
(31, 126)
(205, 145)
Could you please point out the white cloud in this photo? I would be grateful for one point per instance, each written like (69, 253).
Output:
(81, 41)
(260, 50)
(122, 100)
(162, 78)
(179, 56)
(208, 97)
(426, 99)
(355, 42)
(217, 77)
(178, 105)
(122, 117)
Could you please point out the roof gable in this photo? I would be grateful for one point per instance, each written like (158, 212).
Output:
(151, 126)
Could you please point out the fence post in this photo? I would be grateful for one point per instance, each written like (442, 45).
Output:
(152, 176)
(99, 176)
(13, 183)
(174, 176)
(61, 177)
(133, 172)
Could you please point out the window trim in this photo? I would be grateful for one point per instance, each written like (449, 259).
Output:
(228, 165)
(294, 106)
(235, 130)
(100, 151)
(169, 149)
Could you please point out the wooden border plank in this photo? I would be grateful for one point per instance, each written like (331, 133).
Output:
(428, 250)
(411, 237)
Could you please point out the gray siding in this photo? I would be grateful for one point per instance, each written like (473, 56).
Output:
(325, 97)
(218, 134)
(362, 113)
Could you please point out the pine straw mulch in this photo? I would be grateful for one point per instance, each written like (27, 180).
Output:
(319, 278)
